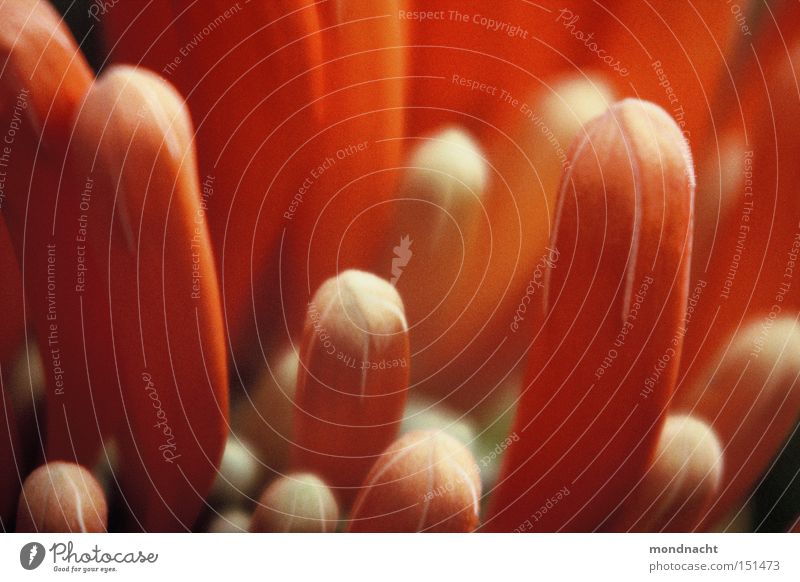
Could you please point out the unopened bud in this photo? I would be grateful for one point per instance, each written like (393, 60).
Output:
(299, 502)
(682, 479)
(352, 380)
(426, 481)
(62, 498)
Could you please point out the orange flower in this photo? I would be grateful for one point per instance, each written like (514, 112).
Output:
(337, 205)
(750, 396)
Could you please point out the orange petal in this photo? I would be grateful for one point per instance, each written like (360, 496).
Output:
(750, 267)
(251, 75)
(157, 270)
(40, 57)
(718, 190)
(773, 32)
(439, 208)
(604, 364)
(676, 55)
(426, 481)
(43, 78)
(352, 380)
(742, 110)
(342, 196)
(467, 57)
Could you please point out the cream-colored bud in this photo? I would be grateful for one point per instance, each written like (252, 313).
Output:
(426, 481)
(299, 502)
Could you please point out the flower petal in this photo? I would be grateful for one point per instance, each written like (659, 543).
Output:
(352, 164)
(466, 57)
(604, 365)
(250, 73)
(43, 79)
(488, 321)
(750, 269)
(157, 271)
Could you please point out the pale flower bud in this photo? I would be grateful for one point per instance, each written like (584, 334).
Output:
(426, 481)
(299, 502)
(62, 498)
